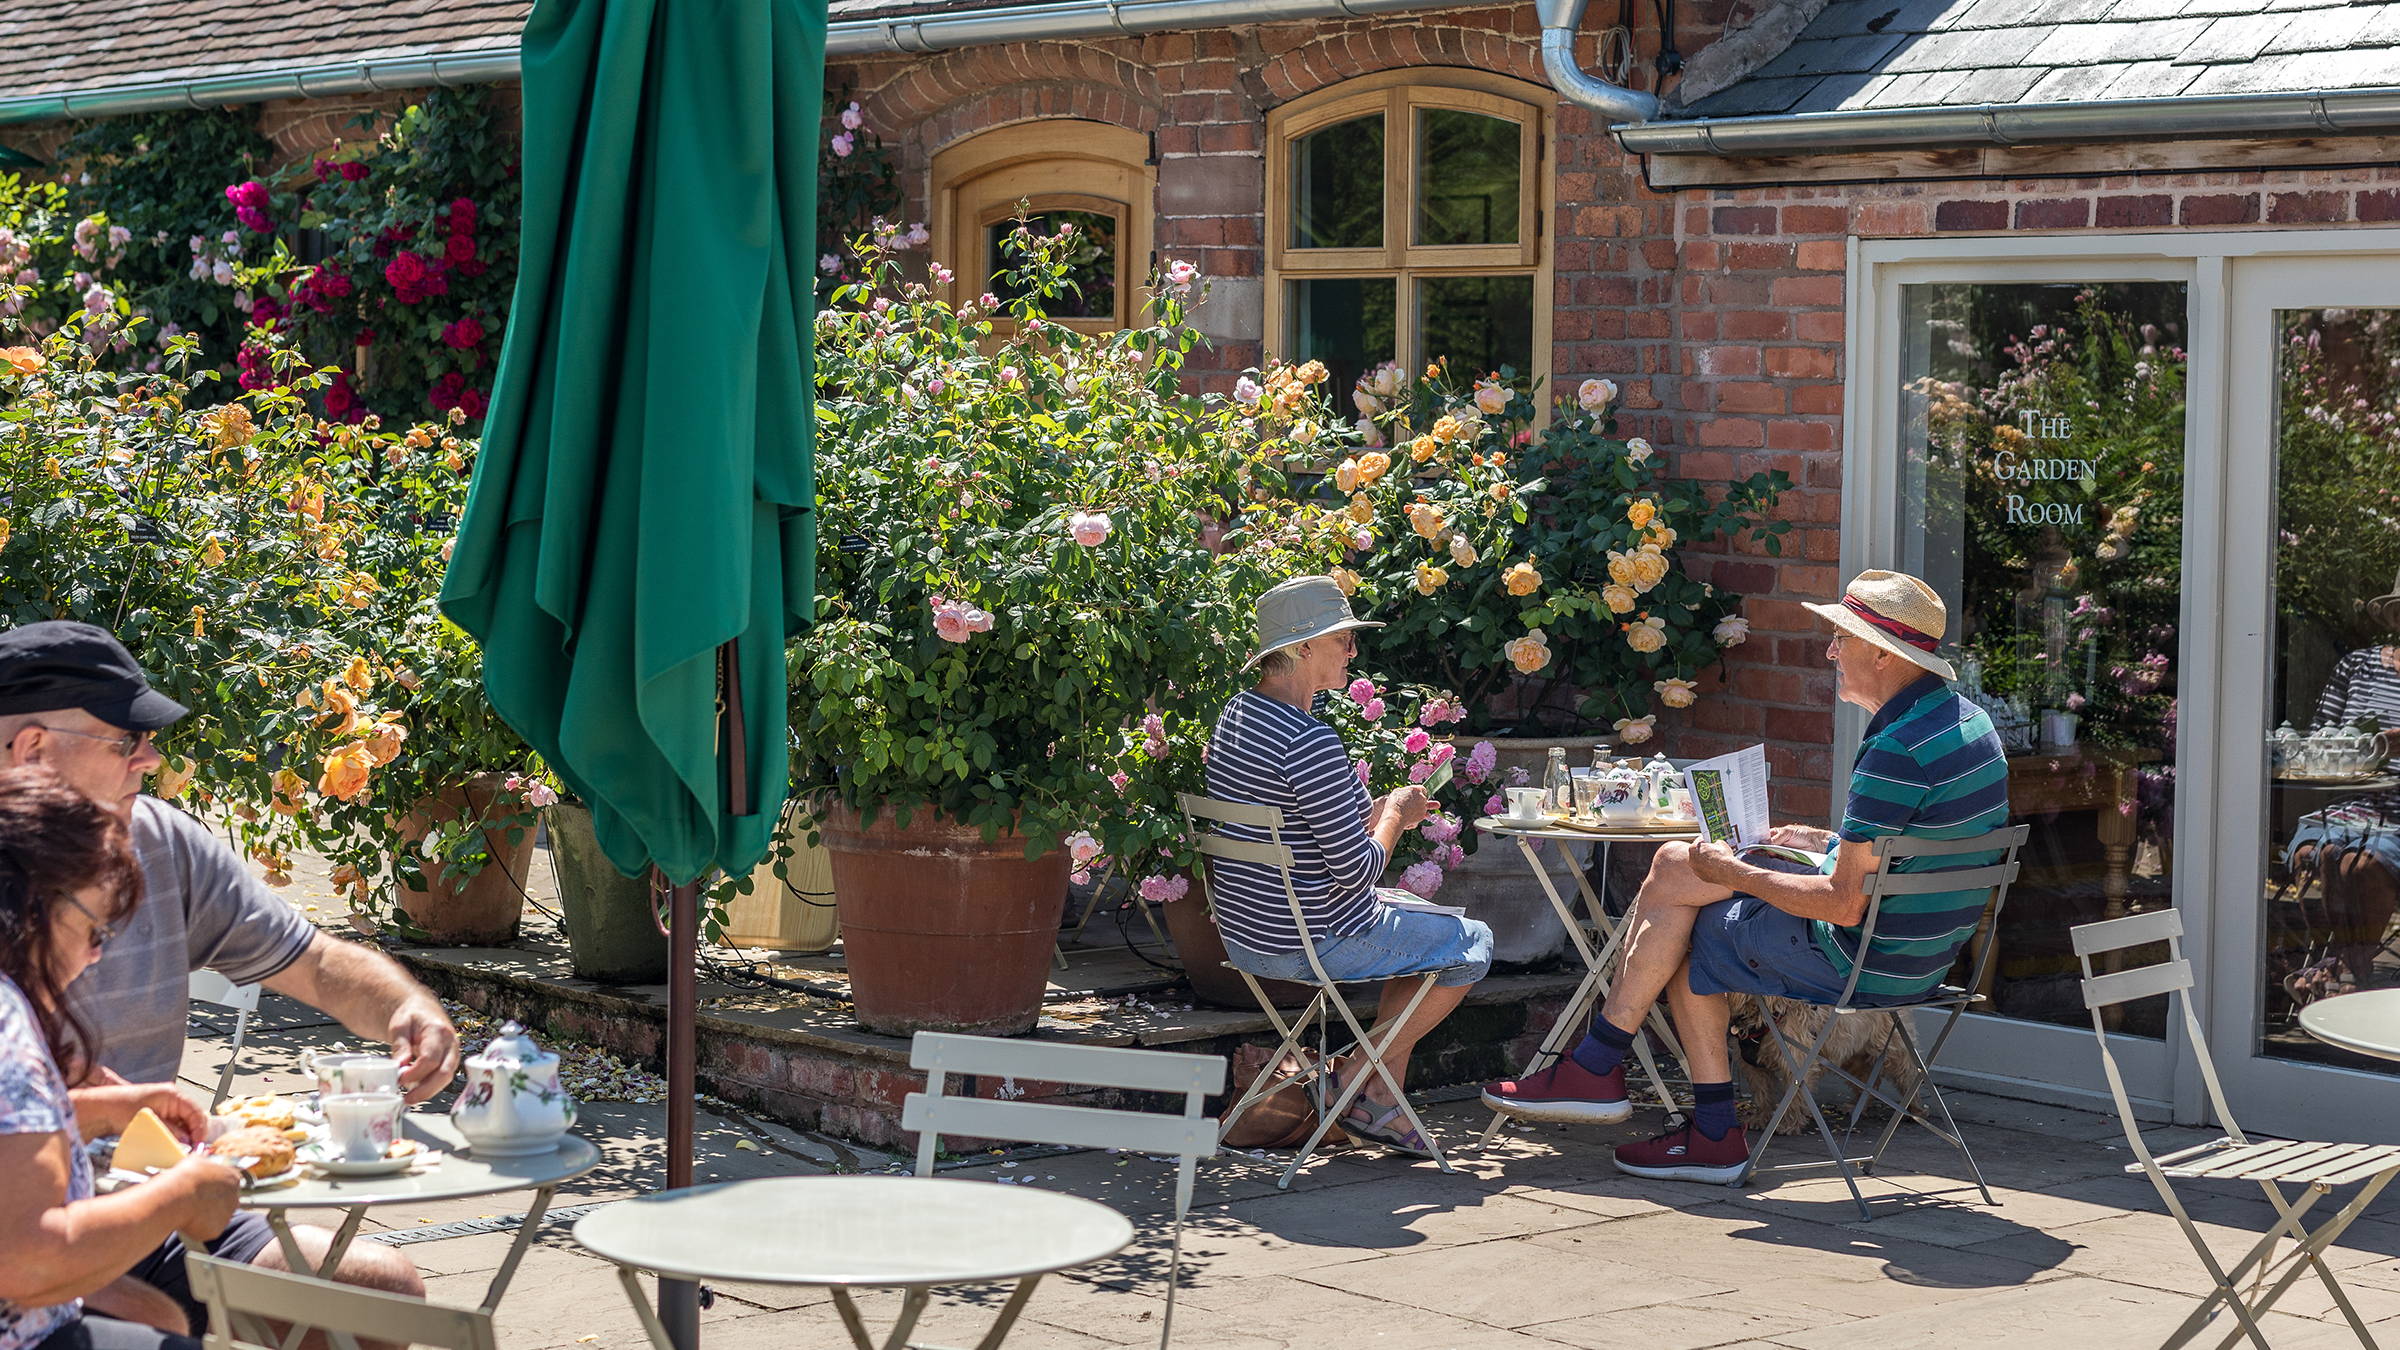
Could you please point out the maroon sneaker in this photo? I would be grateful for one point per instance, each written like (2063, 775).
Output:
(1685, 1154)
(1566, 1091)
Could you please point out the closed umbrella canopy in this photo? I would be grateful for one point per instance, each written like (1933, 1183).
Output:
(644, 495)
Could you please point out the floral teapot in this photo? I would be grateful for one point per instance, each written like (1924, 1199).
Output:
(512, 1103)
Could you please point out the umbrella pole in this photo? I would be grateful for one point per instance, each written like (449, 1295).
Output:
(679, 1300)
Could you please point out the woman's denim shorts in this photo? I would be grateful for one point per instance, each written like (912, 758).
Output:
(1399, 942)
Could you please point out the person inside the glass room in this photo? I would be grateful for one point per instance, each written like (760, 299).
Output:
(2352, 846)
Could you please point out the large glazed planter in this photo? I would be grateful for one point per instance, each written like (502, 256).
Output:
(1495, 885)
(612, 935)
(1202, 950)
(477, 911)
(942, 931)
(789, 913)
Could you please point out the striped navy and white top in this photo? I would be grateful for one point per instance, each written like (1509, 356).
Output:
(1269, 753)
(2364, 685)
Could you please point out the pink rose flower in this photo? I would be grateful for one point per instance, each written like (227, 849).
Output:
(843, 143)
(1440, 829)
(1090, 528)
(1082, 848)
(852, 118)
(1495, 804)
(1441, 754)
(1420, 771)
(1373, 710)
(1164, 889)
(1361, 691)
(1481, 760)
(1118, 781)
(1422, 879)
(1416, 742)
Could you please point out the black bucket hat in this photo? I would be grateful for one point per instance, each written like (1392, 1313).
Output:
(59, 663)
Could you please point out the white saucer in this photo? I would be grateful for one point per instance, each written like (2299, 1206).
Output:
(373, 1167)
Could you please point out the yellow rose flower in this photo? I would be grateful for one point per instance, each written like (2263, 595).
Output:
(22, 360)
(1659, 536)
(358, 674)
(1676, 693)
(1362, 508)
(1372, 466)
(1346, 579)
(1528, 653)
(383, 739)
(1646, 635)
(1312, 373)
(1426, 519)
(308, 499)
(1424, 448)
(345, 775)
(212, 553)
(1500, 492)
(1305, 431)
(51, 466)
(1620, 567)
(1448, 429)
(1462, 552)
(172, 778)
(3, 532)
(1430, 578)
(199, 621)
(1635, 730)
(230, 427)
(1641, 513)
(341, 709)
(1649, 568)
(290, 790)
(1346, 476)
(1522, 579)
(358, 590)
(1620, 599)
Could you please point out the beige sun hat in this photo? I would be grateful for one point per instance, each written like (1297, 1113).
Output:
(2384, 610)
(1896, 612)
(1301, 609)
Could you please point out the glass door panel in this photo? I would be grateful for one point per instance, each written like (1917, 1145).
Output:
(2041, 493)
(2332, 821)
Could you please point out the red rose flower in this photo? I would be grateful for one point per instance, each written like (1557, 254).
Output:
(463, 334)
(459, 248)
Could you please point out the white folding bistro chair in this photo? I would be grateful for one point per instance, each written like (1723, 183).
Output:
(2316, 1167)
(1955, 1000)
(207, 986)
(1273, 852)
(242, 1301)
(933, 1113)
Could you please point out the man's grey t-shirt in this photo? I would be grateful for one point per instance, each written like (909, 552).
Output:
(201, 906)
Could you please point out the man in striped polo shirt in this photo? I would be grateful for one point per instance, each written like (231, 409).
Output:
(1709, 923)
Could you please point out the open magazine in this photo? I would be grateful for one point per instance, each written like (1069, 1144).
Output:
(1729, 793)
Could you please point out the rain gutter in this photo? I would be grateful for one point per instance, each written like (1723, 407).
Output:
(856, 37)
(2318, 113)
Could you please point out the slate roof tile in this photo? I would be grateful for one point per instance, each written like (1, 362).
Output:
(2046, 51)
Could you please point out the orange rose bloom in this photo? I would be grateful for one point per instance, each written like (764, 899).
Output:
(357, 675)
(345, 775)
(1522, 579)
(22, 360)
(383, 740)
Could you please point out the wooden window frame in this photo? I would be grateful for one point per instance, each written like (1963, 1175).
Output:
(1052, 164)
(1400, 95)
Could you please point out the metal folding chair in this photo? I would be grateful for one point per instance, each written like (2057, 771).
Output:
(1954, 1000)
(1274, 853)
(207, 986)
(243, 1300)
(932, 1113)
(2316, 1167)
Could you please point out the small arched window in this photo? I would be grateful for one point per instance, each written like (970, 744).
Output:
(1057, 172)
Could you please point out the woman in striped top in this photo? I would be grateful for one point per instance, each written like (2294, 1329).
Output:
(2354, 844)
(1268, 751)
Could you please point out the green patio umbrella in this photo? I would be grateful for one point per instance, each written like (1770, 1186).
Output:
(639, 543)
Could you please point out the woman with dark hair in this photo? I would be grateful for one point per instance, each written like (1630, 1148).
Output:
(67, 881)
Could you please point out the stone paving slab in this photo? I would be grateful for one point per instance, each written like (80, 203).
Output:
(1537, 1242)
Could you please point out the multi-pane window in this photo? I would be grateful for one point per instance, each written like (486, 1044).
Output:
(1055, 173)
(1404, 223)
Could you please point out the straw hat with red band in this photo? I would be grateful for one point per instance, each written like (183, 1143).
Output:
(1896, 612)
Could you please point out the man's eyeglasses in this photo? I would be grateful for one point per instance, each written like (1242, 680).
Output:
(125, 746)
(102, 933)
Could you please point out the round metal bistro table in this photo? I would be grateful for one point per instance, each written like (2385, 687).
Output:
(846, 1233)
(1597, 925)
(2366, 1023)
(460, 1175)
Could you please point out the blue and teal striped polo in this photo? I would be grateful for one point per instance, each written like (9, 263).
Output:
(1931, 767)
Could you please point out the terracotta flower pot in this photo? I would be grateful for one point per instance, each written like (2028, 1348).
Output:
(1201, 948)
(942, 931)
(477, 911)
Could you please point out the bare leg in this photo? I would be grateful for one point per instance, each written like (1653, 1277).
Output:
(2361, 894)
(369, 1265)
(1701, 1022)
(1659, 941)
(1438, 1004)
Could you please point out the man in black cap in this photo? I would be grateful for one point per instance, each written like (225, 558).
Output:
(74, 700)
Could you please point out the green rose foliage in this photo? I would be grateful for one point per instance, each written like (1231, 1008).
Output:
(1492, 547)
(276, 574)
(973, 653)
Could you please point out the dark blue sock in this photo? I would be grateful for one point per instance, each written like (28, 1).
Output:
(1712, 1109)
(1604, 1048)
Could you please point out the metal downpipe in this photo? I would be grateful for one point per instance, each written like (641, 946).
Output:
(1561, 19)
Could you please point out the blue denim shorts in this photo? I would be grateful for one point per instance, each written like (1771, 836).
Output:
(1399, 942)
(1747, 946)
(2343, 832)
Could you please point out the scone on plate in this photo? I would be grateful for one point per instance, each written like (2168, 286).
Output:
(270, 1154)
(271, 1111)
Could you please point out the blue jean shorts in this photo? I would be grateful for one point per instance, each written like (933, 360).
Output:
(1747, 946)
(1399, 942)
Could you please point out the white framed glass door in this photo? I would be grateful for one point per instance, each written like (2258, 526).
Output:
(2309, 849)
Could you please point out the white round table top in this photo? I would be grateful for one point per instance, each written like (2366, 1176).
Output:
(1603, 834)
(458, 1176)
(2367, 1022)
(881, 1231)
